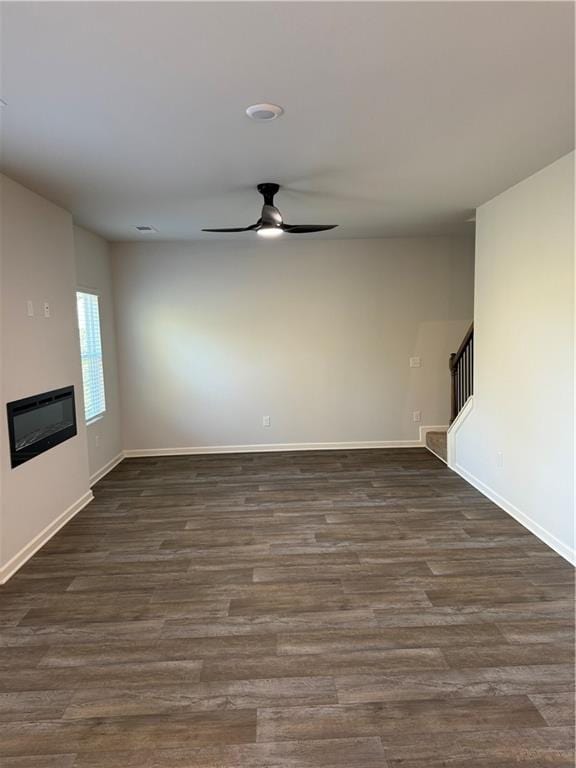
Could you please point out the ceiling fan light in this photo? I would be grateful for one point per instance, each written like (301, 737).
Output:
(270, 232)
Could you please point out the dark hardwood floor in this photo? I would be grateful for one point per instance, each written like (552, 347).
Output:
(288, 610)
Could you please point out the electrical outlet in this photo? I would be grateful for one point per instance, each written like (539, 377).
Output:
(499, 459)
(46, 309)
(265, 421)
(415, 362)
(416, 415)
(30, 308)
(97, 441)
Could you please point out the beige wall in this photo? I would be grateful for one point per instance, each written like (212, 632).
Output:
(93, 273)
(524, 337)
(38, 354)
(315, 334)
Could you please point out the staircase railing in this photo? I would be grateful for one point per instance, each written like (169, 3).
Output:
(462, 374)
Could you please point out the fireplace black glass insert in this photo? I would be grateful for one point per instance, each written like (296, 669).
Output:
(38, 423)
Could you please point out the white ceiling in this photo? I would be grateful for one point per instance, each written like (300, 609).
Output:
(400, 118)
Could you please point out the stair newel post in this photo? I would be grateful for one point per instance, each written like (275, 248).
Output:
(453, 386)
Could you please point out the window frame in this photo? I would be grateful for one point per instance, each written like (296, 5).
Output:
(92, 292)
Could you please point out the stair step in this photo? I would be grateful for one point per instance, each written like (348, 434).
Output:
(437, 442)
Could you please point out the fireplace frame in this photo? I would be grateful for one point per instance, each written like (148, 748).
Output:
(27, 404)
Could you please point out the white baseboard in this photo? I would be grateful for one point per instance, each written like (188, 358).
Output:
(16, 562)
(272, 447)
(106, 468)
(548, 538)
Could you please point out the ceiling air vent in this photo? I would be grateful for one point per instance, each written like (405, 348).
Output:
(145, 228)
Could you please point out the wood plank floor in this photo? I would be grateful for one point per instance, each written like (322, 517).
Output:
(363, 609)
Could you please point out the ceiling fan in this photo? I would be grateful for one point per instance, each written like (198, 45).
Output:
(271, 223)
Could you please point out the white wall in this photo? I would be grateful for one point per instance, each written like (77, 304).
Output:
(38, 354)
(316, 334)
(524, 378)
(93, 273)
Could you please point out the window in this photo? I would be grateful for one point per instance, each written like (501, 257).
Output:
(91, 354)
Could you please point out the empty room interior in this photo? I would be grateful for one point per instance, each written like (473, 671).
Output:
(287, 343)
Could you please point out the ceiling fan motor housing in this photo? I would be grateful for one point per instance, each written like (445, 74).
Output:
(268, 190)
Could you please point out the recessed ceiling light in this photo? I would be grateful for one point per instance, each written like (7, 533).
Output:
(264, 111)
(145, 228)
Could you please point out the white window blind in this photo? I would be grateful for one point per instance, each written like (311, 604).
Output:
(91, 353)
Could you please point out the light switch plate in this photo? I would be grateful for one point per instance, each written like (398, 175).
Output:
(415, 362)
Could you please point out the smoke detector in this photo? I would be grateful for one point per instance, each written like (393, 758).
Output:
(264, 111)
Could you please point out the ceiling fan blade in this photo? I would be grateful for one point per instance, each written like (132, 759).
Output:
(302, 229)
(233, 229)
(271, 218)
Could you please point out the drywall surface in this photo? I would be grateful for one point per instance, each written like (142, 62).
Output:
(316, 335)
(93, 274)
(38, 354)
(518, 440)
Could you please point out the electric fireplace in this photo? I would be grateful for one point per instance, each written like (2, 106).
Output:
(38, 423)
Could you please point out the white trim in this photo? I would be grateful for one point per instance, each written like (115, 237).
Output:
(99, 474)
(453, 430)
(16, 562)
(96, 418)
(270, 447)
(548, 538)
